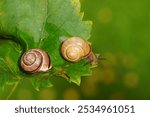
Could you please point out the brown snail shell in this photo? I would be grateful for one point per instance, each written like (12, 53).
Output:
(35, 60)
(74, 49)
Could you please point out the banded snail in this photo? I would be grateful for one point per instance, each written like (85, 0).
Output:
(35, 60)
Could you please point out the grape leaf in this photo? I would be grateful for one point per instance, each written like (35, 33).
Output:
(9, 70)
(75, 71)
(42, 81)
(41, 24)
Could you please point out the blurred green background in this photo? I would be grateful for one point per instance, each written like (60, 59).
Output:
(121, 34)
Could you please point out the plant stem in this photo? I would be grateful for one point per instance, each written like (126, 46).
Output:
(12, 91)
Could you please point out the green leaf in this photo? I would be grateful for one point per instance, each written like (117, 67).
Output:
(75, 71)
(9, 70)
(41, 24)
(66, 15)
(43, 82)
(26, 19)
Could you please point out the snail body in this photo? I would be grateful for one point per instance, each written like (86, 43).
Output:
(35, 60)
(74, 49)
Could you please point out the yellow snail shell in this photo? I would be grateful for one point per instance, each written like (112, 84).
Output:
(74, 49)
(35, 60)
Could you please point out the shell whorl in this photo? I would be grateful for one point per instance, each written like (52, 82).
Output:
(74, 49)
(35, 60)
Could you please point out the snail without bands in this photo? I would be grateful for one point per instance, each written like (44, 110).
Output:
(75, 48)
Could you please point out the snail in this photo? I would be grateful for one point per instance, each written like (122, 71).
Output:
(75, 48)
(35, 60)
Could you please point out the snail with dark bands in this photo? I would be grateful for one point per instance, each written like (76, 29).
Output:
(75, 48)
(35, 60)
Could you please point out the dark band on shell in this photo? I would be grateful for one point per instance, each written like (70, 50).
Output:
(35, 60)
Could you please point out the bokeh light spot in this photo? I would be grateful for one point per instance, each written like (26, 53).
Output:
(117, 96)
(1, 13)
(129, 61)
(131, 80)
(111, 59)
(71, 94)
(24, 94)
(89, 89)
(105, 15)
(108, 76)
(47, 94)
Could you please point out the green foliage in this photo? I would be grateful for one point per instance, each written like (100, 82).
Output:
(9, 71)
(30, 24)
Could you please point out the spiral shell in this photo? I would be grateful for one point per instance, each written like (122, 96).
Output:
(74, 49)
(35, 60)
